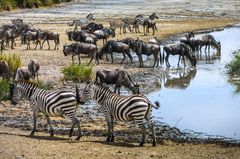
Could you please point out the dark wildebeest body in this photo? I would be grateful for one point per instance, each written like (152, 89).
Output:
(48, 35)
(22, 73)
(92, 27)
(180, 49)
(81, 48)
(104, 33)
(143, 48)
(114, 46)
(117, 77)
(82, 36)
(33, 68)
(4, 69)
(35, 36)
(129, 41)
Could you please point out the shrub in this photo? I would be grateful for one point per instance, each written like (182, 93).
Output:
(13, 61)
(4, 87)
(43, 85)
(77, 72)
(234, 65)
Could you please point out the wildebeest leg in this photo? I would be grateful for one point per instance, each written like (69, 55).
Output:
(112, 57)
(184, 61)
(48, 45)
(179, 58)
(124, 56)
(166, 59)
(153, 30)
(120, 30)
(90, 60)
(73, 58)
(79, 62)
(43, 42)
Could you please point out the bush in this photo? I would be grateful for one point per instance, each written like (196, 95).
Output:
(4, 87)
(77, 72)
(13, 61)
(43, 85)
(234, 65)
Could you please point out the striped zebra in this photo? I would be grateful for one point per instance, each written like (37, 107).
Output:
(122, 24)
(51, 103)
(135, 107)
(81, 22)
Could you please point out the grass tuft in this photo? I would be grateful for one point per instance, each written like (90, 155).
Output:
(75, 72)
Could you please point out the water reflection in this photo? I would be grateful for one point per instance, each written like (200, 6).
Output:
(180, 79)
(203, 99)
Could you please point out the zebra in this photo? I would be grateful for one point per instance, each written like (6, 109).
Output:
(135, 107)
(81, 22)
(51, 103)
(122, 24)
(138, 20)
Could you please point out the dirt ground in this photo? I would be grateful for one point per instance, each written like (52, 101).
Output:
(15, 142)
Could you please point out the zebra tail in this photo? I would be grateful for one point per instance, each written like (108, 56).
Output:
(157, 105)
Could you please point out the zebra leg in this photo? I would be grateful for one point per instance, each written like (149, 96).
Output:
(50, 125)
(151, 127)
(75, 121)
(112, 127)
(142, 125)
(35, 116)
(108, 118)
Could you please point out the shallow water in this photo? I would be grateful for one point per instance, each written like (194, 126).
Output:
(203, 100)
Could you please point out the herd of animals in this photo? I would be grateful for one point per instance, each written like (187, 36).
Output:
(135, 107)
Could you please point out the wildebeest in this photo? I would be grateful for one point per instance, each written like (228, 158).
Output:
(92, 27)
(33, 68)
(4, 69)
(129, 41)
(22, 73)
(81, 48)
(119, 78)
(180, 49)
(104, 33)
(207, 41)
(81, 22)
(114, 46)
(82, 36)
(143, 48)
(35, 36)
(48, 35)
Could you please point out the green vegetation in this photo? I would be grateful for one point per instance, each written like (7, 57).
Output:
(43, 85)
(234, 71)
(13, 4)
(4, 87)
(13, 61)
(234, 65)
(77, 72)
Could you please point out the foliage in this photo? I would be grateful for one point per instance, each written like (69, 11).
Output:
(234, 65)
(77, 72)
(13, 61)
(43, 85)
(4, 87)
(13, 4)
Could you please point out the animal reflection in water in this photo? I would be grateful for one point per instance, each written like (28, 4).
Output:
(180, 79)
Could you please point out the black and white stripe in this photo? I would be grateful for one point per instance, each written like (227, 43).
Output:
(135, 107)
(51, 103)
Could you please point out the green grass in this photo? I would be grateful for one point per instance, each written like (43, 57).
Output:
(4, 90)
(75, 72)
(13, 61)
(234, 65)
(13, 4)
(43, 85)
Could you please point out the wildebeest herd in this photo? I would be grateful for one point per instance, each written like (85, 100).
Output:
(64, 103)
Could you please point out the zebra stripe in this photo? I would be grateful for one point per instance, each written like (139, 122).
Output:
(51, 103)
(135, 107)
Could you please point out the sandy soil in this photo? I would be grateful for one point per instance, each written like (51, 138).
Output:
(15, 143)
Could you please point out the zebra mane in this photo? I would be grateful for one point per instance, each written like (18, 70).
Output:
(26, 82)
(102, 86)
